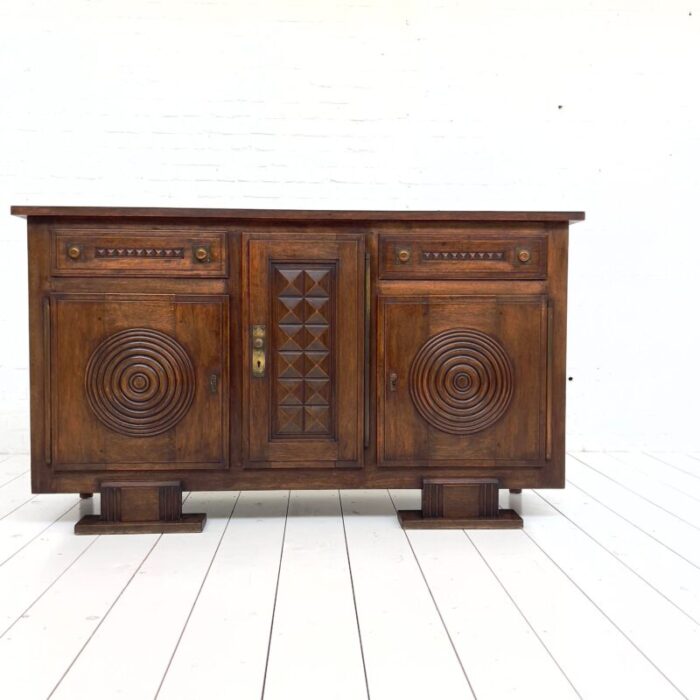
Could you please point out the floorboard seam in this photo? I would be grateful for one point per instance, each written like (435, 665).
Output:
(432, 597)
(627, 520)
(14, 478)
(604, 614)
(277, 587)
(673, 466)
(196, 598)
(655, 479)
(522, 614)
(53, 583)
(24, 503)
(639, 495)
(39, 534)
(354, 599)
(105, 616)
(612, 554)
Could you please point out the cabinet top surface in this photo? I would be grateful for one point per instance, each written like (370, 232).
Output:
(301, 215)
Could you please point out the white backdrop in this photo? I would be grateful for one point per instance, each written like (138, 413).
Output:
(545, 104)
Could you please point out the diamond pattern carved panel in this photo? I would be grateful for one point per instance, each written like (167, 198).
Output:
(303, 303)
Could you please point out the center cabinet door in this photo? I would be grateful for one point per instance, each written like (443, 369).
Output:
(304, 351)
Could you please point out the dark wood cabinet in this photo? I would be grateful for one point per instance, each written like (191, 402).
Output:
(214, 349)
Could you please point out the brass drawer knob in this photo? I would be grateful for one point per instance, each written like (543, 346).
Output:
(524, 255)
(404, 255)
(201, 254)
(74, 252)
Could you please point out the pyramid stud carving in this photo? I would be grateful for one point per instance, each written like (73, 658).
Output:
(316, 310)
(290, 419)
(317, 392)
(317, 337)
(290, 365)
(291, 392)
(316, 419)
(317, 283)
(289, 282)
(291, 310)
(302, 312)
(292, 336)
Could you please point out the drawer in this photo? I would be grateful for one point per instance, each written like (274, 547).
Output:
(460, 256)
(139, 252)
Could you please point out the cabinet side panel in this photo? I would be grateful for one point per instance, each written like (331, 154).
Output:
(553, 475)
(38, 247)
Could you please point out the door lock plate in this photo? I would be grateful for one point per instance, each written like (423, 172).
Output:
(258, 350)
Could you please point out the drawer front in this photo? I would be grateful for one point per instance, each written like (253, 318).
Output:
(435, 256)
(139, 253)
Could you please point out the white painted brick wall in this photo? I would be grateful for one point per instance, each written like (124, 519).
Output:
(425, 104)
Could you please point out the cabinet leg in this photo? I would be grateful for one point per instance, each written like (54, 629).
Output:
(85, 495)
(130, 507)
(460, 503)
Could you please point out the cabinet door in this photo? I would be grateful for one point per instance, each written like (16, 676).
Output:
(139, 382)
(462, 381)
(304, 381)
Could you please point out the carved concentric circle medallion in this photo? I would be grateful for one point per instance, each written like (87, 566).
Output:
(461, 381)
(139, 382)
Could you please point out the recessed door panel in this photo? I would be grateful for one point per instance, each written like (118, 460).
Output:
(304, 348)
(139, 383)
(462, 380)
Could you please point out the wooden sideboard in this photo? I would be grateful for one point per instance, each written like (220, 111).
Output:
(210, 349)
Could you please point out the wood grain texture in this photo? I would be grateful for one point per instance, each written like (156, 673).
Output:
(398, 346)
(303, 350)
(140, 382)
(132, 383)
(460, 503)
(477, 251)
(308, 404)
(295, 214)
(470, 380)
(130, 507)
(461, 381)
(138, 251)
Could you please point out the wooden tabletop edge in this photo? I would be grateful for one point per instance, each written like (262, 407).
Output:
(294, 214)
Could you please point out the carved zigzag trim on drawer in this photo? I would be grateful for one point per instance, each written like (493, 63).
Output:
(139, 252)
(430, 255)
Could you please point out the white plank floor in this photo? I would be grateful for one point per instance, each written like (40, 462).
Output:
(322, 595)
